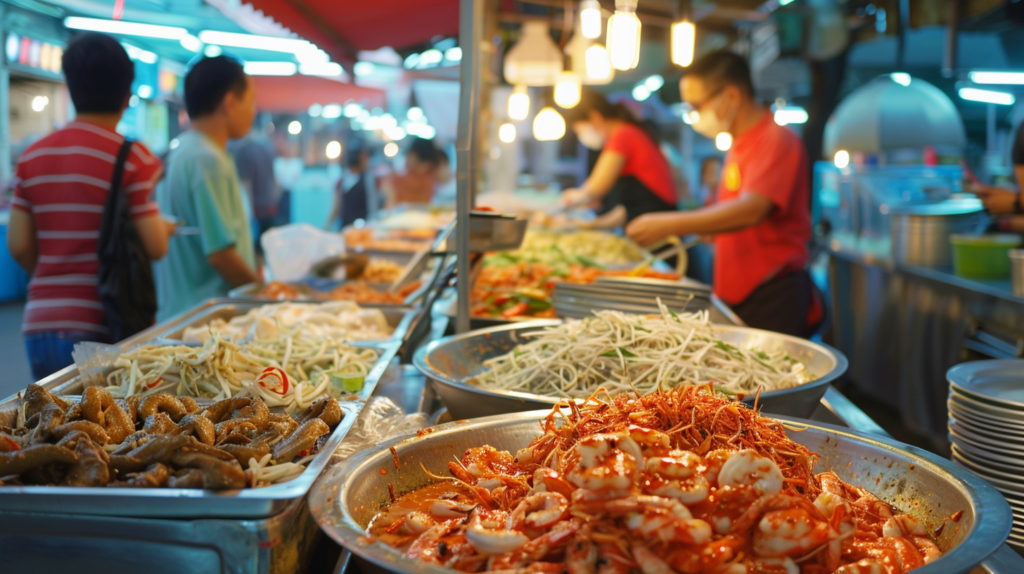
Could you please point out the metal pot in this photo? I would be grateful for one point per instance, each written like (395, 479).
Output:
(919, 483)
(920, 231)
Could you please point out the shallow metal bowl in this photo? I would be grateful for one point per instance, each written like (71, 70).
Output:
(917, 482)
(453, 360)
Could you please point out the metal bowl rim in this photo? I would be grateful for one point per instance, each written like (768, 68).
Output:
(420, 361)
(992, 525)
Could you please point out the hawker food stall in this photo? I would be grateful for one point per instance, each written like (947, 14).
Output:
(613, 417)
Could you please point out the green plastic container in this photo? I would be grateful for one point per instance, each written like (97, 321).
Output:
(983, 256)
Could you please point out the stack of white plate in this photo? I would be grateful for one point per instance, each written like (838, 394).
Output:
(986, 427)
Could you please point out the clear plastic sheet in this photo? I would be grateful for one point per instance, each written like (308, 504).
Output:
(380, 420)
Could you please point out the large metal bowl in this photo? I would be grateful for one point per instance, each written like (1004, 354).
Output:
(453, 360)
(917, 482)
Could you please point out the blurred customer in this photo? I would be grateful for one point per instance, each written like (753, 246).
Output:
(254, 159)
(203, 191)
(710, 177)
(61, 187)
(352, 193)
(1001, 201)
(416, 185)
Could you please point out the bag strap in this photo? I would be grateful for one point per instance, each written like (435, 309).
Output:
(116, 206)
(122, 158)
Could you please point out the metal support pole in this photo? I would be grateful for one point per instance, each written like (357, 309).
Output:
(990, 129)
(471, 25)
(6, 169)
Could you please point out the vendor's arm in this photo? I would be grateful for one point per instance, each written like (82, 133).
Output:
(21, 239)
(604, 175)
(747, 210)
(616, 217)
(232, 268)
(997, 200)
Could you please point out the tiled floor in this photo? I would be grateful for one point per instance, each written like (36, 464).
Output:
(14, 371)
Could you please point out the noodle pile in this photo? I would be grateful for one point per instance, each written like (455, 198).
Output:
(623, 352)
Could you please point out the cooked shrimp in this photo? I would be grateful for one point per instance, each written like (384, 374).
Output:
(676, 476)
(667, 520)
(603, 465)
(866, 566)
(790, 533)
(539, 511)
(548, 480)
(426, 546)
(488, 534)
(450, 509)
(903, 525)
(532, 551)
(649, 562)
(746, 467)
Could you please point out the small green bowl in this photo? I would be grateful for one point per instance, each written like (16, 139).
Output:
(983, 256)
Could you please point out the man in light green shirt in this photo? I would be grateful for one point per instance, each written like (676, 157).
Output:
(203, 191)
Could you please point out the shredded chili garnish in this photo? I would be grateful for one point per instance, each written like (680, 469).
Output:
(268, 375)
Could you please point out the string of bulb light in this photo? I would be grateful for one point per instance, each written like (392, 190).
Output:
(535, 60)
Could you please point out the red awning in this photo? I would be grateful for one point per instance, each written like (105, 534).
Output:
(343, 28)
(287, 94)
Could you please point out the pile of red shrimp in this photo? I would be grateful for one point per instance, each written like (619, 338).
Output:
(683, 481)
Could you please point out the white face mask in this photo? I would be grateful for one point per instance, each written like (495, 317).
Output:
(590, 137)
(708, 124)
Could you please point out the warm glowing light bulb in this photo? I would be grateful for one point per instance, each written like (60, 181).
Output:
(842, 158)
(684, 37)
(507, 133)
(624, 36)
(598, 66)
(548, 125)
(295, 127)
(590, 19)
(519, 103)
(333, 150)
(723, 141)
(567, 90)
(391, 150)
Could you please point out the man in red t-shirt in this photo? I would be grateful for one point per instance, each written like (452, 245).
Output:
(761, 220)
(60, 190)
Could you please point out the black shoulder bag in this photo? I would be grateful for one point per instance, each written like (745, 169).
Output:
(126, 285)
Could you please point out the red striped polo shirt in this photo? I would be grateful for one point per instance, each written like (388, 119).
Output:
(63, 180)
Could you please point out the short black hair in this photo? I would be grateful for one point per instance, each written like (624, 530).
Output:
(723, 68)
(425, 151)
(354, 156)
(209, 80)
(98, 72)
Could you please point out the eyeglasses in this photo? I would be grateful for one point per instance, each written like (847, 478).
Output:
(691, 112)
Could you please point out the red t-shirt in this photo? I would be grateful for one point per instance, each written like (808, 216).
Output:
(643, 160)
(768, 160)
(63, 181)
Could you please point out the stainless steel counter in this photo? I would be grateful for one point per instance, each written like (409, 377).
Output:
(902, 327)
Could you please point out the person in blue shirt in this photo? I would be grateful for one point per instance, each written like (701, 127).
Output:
(203, 191)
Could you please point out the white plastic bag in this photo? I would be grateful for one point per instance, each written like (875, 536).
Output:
(292, 250)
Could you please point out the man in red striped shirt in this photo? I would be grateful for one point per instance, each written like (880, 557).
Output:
(61, 185)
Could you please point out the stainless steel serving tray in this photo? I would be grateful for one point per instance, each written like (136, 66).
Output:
(181, 503)
(917, 482)
(452, 360)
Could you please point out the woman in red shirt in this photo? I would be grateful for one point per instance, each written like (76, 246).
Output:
(630, 160)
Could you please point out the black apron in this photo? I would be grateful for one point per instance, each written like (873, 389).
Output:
(638, 199)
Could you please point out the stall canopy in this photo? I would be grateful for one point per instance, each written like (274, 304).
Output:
(291, 94)
(343, 29)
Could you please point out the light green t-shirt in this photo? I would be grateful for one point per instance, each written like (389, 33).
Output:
(201, 190)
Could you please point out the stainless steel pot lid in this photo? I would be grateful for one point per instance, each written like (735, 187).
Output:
(964, 206)
(998, 382)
